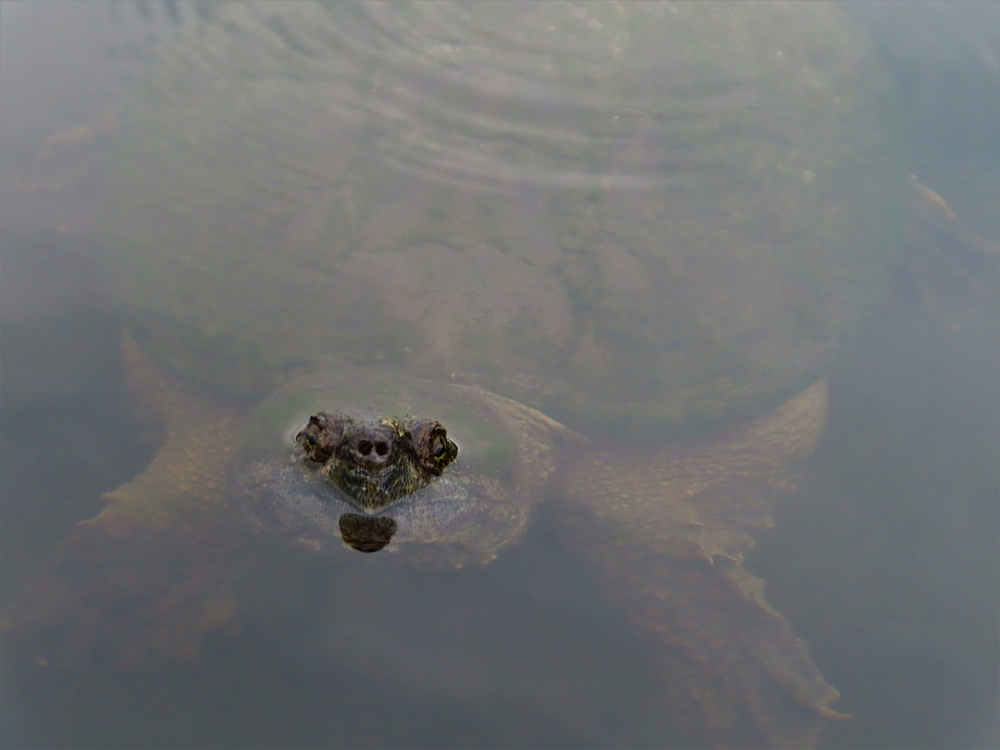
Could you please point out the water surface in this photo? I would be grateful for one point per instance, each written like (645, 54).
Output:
(884, 559)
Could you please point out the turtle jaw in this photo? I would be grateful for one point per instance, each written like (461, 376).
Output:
(373, 489)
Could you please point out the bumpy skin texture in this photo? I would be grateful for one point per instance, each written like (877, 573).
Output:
(481, 502)
(666, 532)
(664, 529)
(155, 571)
(376, 462)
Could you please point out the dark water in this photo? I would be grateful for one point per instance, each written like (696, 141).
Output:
(884, 559)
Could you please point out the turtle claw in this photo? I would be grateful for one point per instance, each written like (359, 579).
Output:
(829, 713)
(734, 672)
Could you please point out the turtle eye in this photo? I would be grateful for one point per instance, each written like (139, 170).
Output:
(311, 440)
(431, 446)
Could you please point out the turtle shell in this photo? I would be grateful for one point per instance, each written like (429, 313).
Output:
(649, 218)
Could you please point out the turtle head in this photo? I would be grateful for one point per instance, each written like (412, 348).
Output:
(376, 462)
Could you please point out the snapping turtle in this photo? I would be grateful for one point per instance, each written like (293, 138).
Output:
(370, 210)
(362, 478)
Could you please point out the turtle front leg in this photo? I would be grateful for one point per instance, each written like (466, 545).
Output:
(124, 600)
(155, 570)
(666, 532)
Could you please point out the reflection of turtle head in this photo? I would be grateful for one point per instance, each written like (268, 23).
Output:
(375, 463)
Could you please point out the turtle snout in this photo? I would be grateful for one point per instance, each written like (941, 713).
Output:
(374, 446)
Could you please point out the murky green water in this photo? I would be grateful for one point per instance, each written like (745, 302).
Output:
(883, 559)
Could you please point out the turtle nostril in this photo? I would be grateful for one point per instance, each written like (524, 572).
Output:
(364, 447)
(381, 448)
